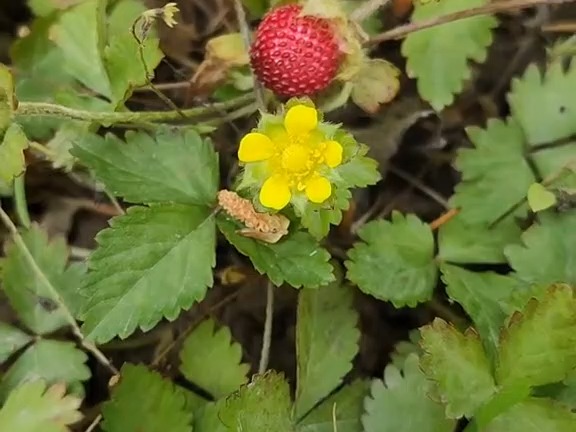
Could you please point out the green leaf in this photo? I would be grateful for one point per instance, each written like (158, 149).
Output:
(257, 8)
(395, 260)
(12, 153)
(317, 220)
(262, 406)
(538, 345)
(122, 55)
(33, 408)
(548, 254)
(439, 64)
(80, 35)
(495, 175)
(28, 293)
(7, 100)
(360, 172)
(347, 404)
(150, 264)
(211, 360)
(534, 415)
(296, 259)
(326, 342)
(459, 366)
(462, 243)
(533, 91)
(540, 198)
(51, 360)
(11, 340)
(401, 402)
(208, 419)
(486, 297)
(144, 402)
(173, 165)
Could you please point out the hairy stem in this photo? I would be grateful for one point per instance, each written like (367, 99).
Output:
(55, 296)
(267, 336)
(491, 8)
(39, 109)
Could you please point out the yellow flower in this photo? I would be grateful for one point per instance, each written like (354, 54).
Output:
(294, 158)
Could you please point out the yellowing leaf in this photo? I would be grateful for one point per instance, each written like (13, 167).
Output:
(376, 83)
(33, 408)
(540, 198)
(12, 162)
(228, 48)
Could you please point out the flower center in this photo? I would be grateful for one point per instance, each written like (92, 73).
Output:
(296, 158)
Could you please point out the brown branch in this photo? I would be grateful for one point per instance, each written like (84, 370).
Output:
(492, 8)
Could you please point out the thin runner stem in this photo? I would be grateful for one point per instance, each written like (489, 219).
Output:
(267, 335)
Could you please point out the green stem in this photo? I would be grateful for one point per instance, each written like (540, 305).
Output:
(40, 109)
(267, 335)
(20, 201)
(54, 294)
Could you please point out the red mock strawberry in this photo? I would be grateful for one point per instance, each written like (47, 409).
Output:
(295, 55)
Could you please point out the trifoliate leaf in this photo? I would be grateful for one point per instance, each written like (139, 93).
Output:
(51, 360)
(538, 345)
(534, 415)
(296, 259)
(28, 292)
(540, 198)
(459, 366)
(11, 340)
(150, 264)
(12, 153)
(173, 165)
(326, 342)
(401, 403)
(80, 35)
(122, 54)
(211, 360)
(395, 260)
(486, 297)
(438, 56)
(34, 408)
(144, 402)
(463, 243)
(549, 251)
(376, 83)
(495, 174)
(345, 407)
(263, 405)
(533, 91)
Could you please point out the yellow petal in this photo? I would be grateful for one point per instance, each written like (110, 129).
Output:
(255, 147)
(275, 193)
(301, 119)
(318, 189)
(333, 154)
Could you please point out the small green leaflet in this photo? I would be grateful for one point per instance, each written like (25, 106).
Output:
(395, 260)
(150, 264)
(439, 64)
(326, 342)
(263, 405)
(171, 165)
(51, 360)
(462, 243)
(144, 402)
(12, 153)
(534, 415)
(34, 408)
(212, 360)
(345, 406)
(7, 100)
(459, 366)
(28, 293)
(11, 340)
(547, 325)
(540, 198)
(487, 297)
(208, 418)
(548, 253)
(495, 174)
(296, 259)
(401, 403)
